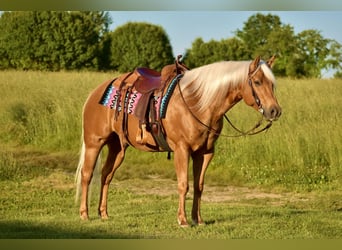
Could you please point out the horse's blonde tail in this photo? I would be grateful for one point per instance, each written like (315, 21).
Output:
(78, 173)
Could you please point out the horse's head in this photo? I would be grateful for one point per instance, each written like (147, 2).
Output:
(259, 89)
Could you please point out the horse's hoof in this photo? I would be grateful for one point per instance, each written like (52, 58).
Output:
(84, 217)
(183, 224)
(104, 217)
(198, 223)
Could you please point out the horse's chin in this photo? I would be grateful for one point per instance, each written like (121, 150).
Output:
(271, 119)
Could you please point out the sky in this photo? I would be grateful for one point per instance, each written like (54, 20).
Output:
(183, 27)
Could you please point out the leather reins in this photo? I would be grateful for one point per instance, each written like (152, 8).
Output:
(241, 133)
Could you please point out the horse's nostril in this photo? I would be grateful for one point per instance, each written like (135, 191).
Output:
(274, 112)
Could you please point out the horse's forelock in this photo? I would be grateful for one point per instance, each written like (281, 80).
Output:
(268, 72)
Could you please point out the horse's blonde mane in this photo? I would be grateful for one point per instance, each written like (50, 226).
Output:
(211, 83)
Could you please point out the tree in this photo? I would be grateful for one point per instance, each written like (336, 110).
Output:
(335, 58)
(15, 39)
(303, 55)
(50, 40)
(281, 42)
(136, 44)
(266, 35)
(202, 53)
(338, 74)
(314, 50)
(256, 30)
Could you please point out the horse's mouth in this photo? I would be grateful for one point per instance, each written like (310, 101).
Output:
(271, 114)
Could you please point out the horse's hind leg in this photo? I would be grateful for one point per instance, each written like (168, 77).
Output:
(90, 157)
(116, 154)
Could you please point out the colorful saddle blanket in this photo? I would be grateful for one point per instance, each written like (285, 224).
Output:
(111, 99)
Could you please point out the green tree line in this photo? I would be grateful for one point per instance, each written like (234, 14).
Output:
(52, 40)
(304, 54)
(75, 40)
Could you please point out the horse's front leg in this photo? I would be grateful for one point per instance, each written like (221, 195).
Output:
(181, 160)
(200, 164)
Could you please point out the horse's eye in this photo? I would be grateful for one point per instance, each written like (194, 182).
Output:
(257, 82)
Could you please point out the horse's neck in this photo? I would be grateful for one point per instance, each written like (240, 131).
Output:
(220, 107)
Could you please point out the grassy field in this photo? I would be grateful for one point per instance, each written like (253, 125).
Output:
(282, 184)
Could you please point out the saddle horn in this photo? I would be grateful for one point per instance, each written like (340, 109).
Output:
(180, 67)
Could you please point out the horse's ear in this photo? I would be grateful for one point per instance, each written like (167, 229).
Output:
(270, 62)
(254, 65)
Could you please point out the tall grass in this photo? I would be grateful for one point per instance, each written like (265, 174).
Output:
(301, 150)
(41, 111)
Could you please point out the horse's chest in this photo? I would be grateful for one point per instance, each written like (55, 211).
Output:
(204, 141)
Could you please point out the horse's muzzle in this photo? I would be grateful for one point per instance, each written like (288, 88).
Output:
(272, 113)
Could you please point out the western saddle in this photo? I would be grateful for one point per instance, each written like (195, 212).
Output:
(151, 84)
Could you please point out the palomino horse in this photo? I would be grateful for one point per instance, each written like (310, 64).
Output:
(191, 125)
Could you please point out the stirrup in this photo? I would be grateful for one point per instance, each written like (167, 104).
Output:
(141, 137)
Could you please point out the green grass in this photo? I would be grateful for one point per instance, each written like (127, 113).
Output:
(298, 160)
(43, 208)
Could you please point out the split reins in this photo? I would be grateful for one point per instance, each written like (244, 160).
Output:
(241, 133)
(248, 132)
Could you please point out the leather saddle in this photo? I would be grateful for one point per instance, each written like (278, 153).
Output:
(148, 80)
(151, 83)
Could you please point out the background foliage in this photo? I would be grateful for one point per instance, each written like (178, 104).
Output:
(304, 54)
(52, 40)
(56, 41)
(139, 44)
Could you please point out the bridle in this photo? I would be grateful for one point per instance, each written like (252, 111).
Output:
(255, 95)
(241, 133)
